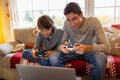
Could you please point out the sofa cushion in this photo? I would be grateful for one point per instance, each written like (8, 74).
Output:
(113, 36)
(24, 35)
(7, 48)
(6, 60)
(114, 40)
(115, 44)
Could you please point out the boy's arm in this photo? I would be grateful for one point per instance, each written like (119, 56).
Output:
(102, 43)
(38, 42)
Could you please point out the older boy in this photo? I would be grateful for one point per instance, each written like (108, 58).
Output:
(80, 33)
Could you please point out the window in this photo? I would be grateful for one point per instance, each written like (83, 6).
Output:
(29, 10)
(107, 11)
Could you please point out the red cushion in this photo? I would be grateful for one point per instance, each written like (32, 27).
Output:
(117, 26)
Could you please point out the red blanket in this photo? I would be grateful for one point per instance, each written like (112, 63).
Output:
(15, 59)
(82, 67)
(112, 70)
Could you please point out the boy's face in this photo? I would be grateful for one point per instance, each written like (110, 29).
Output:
(74, 20)
(46, 32)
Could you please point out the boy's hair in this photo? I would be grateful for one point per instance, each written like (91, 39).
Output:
(45, 22)
(72, 7)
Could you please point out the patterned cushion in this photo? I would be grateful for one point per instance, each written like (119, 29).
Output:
(115, 44)
(114, 40)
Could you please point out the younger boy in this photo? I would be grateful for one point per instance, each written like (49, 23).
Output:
(46, 43)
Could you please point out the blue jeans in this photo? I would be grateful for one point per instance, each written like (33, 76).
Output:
(27, 55)
(97, 59)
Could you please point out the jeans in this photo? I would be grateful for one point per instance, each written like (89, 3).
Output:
(27, 55)
(97, 59)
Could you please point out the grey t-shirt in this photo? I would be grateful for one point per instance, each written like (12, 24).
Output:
(50, 43)
(90, 30)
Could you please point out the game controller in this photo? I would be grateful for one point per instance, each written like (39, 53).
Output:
(41, 53)
(70, 47)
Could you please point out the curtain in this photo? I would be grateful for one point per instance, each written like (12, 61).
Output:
(6, 30)
(2, 29)
(13, 13)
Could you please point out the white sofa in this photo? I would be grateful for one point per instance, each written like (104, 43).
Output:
(22, 35)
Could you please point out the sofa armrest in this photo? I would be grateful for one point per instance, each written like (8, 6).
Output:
(7, 47)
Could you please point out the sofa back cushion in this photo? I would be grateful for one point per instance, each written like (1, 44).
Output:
(114, 39)
(24, 35)
(115, 44)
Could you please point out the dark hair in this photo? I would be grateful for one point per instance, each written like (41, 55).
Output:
(72, 7)
(45, 22)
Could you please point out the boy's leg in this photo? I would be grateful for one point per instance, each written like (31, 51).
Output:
(27, 55)
(59, 59)
(99, 61)
(54, 60)
(45, 62)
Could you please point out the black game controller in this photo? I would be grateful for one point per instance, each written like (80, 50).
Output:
(41, 53)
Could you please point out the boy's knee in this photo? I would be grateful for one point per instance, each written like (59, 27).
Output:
(53, 59)
(25, 53)
(101, 58)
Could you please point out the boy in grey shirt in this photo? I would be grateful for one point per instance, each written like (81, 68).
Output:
(46, 43)
(79, 33)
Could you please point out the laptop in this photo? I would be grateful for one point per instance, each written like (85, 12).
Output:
(31, 72)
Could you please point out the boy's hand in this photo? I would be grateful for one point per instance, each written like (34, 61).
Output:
(34, 53)
(63, 47)
(82, 48)
(48, 53)
(78, 48)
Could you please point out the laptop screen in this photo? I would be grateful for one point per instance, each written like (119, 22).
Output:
(31, 72)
